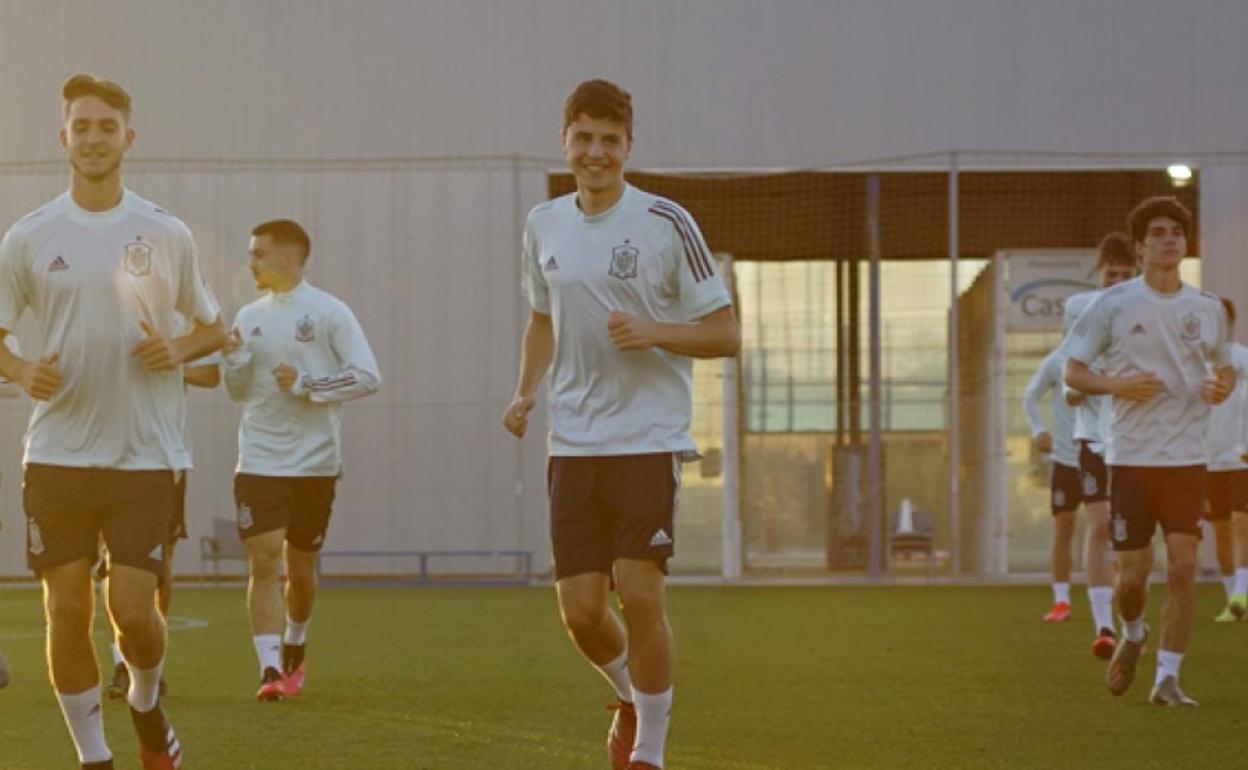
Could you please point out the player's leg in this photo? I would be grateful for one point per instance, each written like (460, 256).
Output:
(1098, 568)
(262, 509)
(177, 531)
(1180, 504)
(119, 684)
(309, 523)
(1218, 514)
(1060, 561)
(1131, 532)
(135, 527)
(641, 493)
(581, 539)
(62, 542)
(1239, 531)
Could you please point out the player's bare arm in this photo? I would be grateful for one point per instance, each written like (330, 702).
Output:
(158, 352)
(714, 335)
(205, 376)
(39, 379)
(537, 350)
(1136, 387)
(1218, 388)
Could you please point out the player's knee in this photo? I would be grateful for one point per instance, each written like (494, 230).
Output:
(583, 617)
(1181, 571)
(642, 607)
(69, 613)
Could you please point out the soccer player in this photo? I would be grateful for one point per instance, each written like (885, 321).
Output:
(624, 293)
(293, 357)
(1167, 358)
(203, 373)
(105, 273)
(1226, 440)
(1116, 262)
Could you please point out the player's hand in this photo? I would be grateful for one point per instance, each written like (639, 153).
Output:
(41, 379)
(516, 418)
(1043, 442)
(1138, 387)
(628, 332)
(1214, 391)
(156, 351)
(285, 375)
(233, 341)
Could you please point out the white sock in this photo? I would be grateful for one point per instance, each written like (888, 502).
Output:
(616, 672)
(1168, 665)
(653, 713)
(117, 658)
(144, 687)
(1102, 600)
(85, 720)
(1228, 582)
(1134, 630)
(297, 633)
(1241, 581)
(1061, 593)
(269, 651)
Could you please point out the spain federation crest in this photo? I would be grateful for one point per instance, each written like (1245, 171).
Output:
(138, 258)
(305, 330)
(1191, 327)
(624, 261)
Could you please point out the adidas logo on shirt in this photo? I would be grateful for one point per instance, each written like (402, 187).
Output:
(256, 332)
(551, 264)
(661, 538)
(58, 265)
(157, 554)
(1138, 329)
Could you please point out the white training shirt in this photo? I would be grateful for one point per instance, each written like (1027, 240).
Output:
(89, 278)
(1176, 337)
(1092, 413)
(1048, 377)
(644, 256)
(297, 433)
(1226, 438)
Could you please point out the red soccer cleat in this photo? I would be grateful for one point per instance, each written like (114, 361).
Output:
(622, 734)
(1059, 613)
(292, 683)
(272, 687)
(159, 748)
(1105, 643)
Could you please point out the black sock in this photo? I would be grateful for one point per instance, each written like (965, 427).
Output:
(152, 729)
(105, 765)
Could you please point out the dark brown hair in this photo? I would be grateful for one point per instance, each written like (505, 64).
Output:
(600, 99)
(286, 231)
(1152, 208)
(1115, 249)
(107, 91)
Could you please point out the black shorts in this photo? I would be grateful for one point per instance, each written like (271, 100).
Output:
(612, 507)
(1095, 477)
(68, 510)
(301, 505)
(1065, 489)
(1145, 496)
(177, 522)
(1227, 491)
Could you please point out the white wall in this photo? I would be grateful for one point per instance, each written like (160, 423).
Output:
(717, 82)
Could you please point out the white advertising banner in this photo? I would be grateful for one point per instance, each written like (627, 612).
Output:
(1039, 283)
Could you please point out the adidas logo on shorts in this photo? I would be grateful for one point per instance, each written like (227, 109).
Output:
(660, 539)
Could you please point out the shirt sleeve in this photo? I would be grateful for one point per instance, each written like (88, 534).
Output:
(702, 289)
(236, 367)
(195, 300)
(14, 290)
(359, 375)
(1039, 384)
(1090, 336)
(532, 278)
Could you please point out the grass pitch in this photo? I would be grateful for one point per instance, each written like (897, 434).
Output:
(768, 679)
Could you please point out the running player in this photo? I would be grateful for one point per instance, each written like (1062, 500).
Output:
(624, 294)
(1116, 262)
(292, 358)
(105, 273)
(1167, 358)
(1226, 440)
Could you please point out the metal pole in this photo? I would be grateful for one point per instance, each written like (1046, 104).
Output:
(954, 432)
(875, 559)
(730, 518)
(517, 224)
(840, 353)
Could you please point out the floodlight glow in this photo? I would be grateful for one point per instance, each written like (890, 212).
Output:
(1179, 173)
